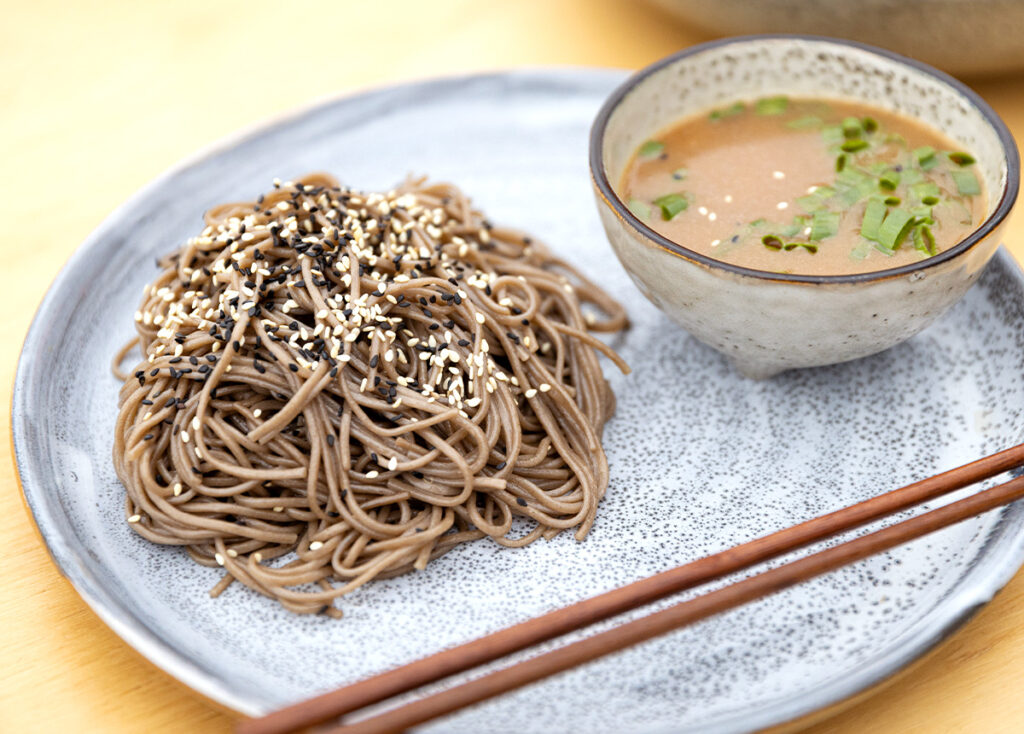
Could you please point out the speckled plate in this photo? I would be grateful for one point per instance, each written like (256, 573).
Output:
(700, 458)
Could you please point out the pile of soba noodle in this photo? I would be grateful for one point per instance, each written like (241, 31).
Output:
(354, 384)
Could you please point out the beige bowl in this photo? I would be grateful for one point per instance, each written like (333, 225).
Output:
(959, 36)
(768, 322)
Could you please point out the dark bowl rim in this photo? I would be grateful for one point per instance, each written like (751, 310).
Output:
(607, 191)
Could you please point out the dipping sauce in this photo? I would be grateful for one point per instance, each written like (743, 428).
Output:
(806, 186)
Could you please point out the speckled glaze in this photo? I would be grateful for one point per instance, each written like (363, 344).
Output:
(700, 459)
(959, 36)
(767, 322)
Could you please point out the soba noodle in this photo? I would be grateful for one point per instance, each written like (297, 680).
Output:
(353, 384)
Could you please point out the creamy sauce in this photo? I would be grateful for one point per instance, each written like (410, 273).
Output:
(761, 189)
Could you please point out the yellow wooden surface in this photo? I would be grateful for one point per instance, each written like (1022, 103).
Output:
(98, 98)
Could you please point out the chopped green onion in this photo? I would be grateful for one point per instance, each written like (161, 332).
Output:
(771, 242)
(670, 205)
(679, 174)
(798, 224)
(912, 176)
(961, 159)
(887, 251)
(650, 148)
(759, 223)
(924, 240)
(734, 109)
(771, 105)
(926, 157)
(852, 128)
(922, 215)
(895, 138)
(840, 162)
(824, 224)
(640, 209)
(895, 227)
(806, 245)
(832, 134)
(861, 251)
(814, 201)
(869, 124)
(925, 190)
(853, 185)
(805, 123)
(892, 201)
(889, 180)
(852, 146)
(874, 213)
(930, 200)
(966, 182)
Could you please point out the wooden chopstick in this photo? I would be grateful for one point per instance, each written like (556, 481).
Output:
(631, 633)
(577, 616)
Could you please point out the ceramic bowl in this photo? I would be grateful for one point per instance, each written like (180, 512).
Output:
(957, 36)
(768, 322)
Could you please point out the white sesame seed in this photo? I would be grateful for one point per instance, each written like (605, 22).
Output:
(257, 413)
(782, 205)
(393, 464)
(184, 436)
(480, 317)
(134, 518)
(712, 217)
(728, 198)
(279, 509)
(219, 558)
(544, 387)
(232, 553)
(779, 175)
(372, 474)
(195, 423)
(316, 545)
(703, 211)
(716, 243)
(257, 557)
(177, 489)
(530, 393)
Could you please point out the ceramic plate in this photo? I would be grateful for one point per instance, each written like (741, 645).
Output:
(700, 458)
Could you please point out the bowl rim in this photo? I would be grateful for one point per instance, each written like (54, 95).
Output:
(607, 192)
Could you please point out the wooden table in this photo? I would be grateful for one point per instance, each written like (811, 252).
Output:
(99, 98)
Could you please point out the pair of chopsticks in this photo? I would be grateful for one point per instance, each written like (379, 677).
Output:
(330, 706)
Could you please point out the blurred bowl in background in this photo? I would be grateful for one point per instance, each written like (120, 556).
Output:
(963, 37)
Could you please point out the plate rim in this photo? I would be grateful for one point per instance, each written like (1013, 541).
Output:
(962, 602)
